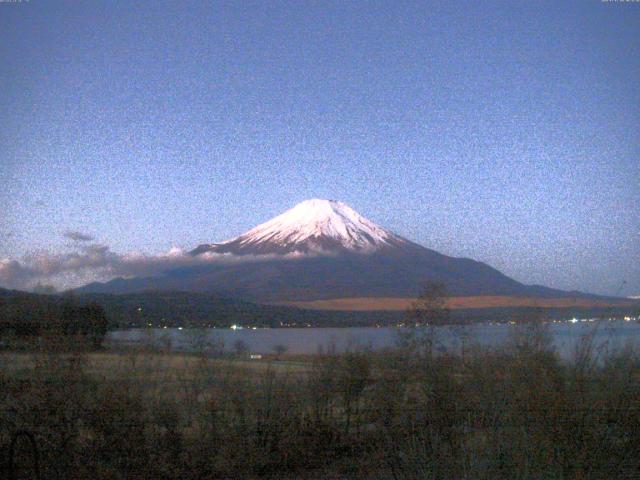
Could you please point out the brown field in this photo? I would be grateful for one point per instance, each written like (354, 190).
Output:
(490, 301)
(149, 366)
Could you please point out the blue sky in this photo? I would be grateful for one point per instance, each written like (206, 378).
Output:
(508, 132)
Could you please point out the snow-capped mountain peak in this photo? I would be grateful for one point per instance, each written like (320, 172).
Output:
(313, 226)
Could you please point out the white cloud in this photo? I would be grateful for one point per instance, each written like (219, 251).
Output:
(97, 262)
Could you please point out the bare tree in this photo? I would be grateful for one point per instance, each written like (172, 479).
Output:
(426, 313)
(240, 347)
(280, 349)
(430, 308)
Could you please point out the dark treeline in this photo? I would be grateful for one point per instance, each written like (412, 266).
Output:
(182, 309)
(27, 316)
(187, 309)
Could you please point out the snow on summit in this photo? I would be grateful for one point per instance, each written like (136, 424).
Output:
(313, 226)
(321, 219)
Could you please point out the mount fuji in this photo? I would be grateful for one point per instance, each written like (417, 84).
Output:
(323, 249)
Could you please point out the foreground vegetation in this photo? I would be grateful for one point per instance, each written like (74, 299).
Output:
(517, 412)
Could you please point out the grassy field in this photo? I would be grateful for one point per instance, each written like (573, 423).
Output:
(515, 412)
(151, 366)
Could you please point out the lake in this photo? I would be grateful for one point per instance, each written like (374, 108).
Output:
(612, 335)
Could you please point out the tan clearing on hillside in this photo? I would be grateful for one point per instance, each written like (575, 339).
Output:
(488, 301)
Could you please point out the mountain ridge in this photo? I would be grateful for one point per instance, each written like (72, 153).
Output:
(323, 249)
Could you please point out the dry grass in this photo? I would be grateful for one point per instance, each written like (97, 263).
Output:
(152, 368)
(489, 301)
(518, 412)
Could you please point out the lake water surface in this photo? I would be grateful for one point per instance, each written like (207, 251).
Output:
(610, 335)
